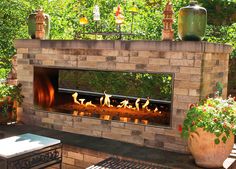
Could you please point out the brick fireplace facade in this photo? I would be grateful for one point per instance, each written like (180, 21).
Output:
(197, 67)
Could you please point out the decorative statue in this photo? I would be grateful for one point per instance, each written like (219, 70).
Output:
(40, 23)
(118, 16)
(168, 32)
(96, 13)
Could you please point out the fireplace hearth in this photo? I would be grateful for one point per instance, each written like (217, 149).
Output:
(76, 86)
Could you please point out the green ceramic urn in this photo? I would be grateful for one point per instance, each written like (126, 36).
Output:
(192, 22)
(32, 25)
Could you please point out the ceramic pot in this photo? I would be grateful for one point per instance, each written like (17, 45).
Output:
(32, 25)
(192, 22)
(206, 153)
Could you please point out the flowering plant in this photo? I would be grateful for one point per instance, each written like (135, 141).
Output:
(214, 115)
(9, 94)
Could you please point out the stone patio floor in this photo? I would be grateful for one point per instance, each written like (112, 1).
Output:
(126, 150)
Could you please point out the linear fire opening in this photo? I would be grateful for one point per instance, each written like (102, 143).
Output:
(141, 98)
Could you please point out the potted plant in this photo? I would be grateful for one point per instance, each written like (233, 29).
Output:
(10, 97)
(209, 127)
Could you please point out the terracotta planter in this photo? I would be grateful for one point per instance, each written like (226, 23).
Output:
(206, 153)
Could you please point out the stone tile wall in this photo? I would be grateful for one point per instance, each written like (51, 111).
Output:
(79, 158)
(197, 67)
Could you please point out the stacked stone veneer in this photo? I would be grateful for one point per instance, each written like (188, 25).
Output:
(197, 67)
(80, 158)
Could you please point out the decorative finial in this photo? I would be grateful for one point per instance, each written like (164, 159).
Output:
(168, 32)
(40, 23)
(96, 13)
(118, 16)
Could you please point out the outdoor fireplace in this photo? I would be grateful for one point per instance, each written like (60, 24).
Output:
(140, 98)
(79, 87)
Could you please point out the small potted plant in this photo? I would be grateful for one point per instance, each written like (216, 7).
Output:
(209, 127)
(10, 97)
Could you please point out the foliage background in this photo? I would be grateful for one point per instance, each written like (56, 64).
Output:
(147, 23)
(142, 85)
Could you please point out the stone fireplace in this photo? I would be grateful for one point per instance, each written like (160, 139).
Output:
(193, 69)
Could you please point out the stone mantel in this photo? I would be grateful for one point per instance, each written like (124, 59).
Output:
(188, 46)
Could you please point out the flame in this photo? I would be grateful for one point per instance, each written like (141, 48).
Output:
(107, 101)
(44, 92)
(124, 104)
(146, 104)
(105, 117)
(137, 103)
(75, 113)
(81, 113)
(75, 95)
(101, 100)
(90, 104)
(125, 119)
(145, 122)
(136, 121)
(156, 109)
(82, 101)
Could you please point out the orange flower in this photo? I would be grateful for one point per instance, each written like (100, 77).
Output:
(191, 105)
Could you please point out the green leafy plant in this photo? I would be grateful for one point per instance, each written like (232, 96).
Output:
(9, 94)
(215, 115)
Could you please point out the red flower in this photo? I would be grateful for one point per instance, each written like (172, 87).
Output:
(215, 120)
(225, 125)
(180, 128)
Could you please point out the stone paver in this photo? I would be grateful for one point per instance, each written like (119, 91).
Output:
(157, 156)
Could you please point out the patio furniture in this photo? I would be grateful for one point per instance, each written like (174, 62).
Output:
(29, 151)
